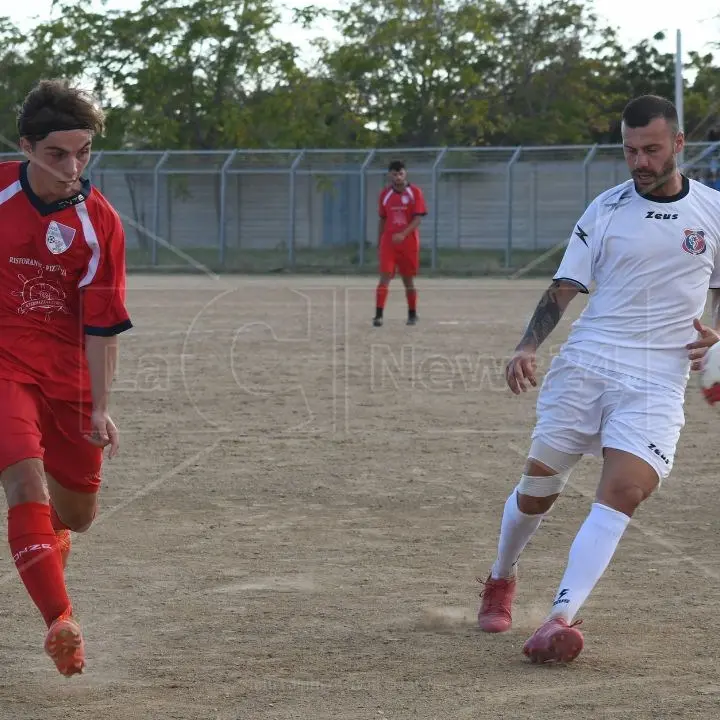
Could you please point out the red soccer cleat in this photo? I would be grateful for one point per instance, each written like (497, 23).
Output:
(495, 614)
(64, 644)
(712, 394)
(555, 641)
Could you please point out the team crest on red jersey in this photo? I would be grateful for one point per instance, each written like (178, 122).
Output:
(38, 294)
(694, 242)
(59, 237)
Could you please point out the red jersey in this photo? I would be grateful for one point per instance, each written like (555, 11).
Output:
(399, 208)
(62, 270)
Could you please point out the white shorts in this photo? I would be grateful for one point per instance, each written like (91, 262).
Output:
(582, 411)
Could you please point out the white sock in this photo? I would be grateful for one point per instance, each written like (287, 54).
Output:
(590, 554)
(516, 530)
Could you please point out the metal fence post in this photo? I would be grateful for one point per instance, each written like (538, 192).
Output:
(222, 245)
(363, 207)
(533, 205)
(509, 174)
(95, 161)
(586, 175)
(436, 207)
(156, 205)
(291, 212)
(457, 211)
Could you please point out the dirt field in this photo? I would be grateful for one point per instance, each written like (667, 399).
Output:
(302, 504)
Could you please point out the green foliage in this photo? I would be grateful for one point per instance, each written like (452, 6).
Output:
(214, 74)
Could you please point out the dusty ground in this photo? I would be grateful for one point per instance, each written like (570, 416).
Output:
(298, 515)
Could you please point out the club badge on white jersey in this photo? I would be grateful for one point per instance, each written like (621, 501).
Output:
(694, 242)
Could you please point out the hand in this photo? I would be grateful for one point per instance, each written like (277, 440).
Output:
(398, 238)
(706, 338)
(104, 432)
(521, 370)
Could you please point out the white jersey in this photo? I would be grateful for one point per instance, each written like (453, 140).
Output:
(652, 260)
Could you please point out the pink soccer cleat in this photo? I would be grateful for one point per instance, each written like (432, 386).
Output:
(495, 613)
(64, 644)
(555, 641)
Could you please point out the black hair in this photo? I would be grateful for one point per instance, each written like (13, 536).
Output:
(54, 105)
(396, 166)
(644, 109)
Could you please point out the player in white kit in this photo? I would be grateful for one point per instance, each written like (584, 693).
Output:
(651, 246)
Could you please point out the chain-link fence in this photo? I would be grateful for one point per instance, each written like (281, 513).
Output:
(489, 209)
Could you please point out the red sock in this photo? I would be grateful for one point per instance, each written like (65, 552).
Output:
(411, 296)
(381, 296)
(34, 549)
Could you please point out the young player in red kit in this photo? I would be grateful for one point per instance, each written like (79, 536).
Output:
(401, 208)
(62, 268)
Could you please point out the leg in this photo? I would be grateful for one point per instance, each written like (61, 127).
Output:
(411, 295)
(567, 427)
(71, 509)
(30, 532)
(381, 292)
(408, 264)
(32, 538)
(34, 547)
(626, 481)
(546, 473)
(640, 433)
(72, 468)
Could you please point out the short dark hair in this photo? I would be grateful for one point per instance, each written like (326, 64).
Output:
(644, 109)
(396, 166)
(54, 105)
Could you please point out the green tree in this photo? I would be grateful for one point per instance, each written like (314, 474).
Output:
(24, 59)
(447, 72)
(184, 71)
(702, 99)
(644, 69)
(549, 76)
(411, 69)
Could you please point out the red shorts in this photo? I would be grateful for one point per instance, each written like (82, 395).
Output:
(403, 257)
(33, 426)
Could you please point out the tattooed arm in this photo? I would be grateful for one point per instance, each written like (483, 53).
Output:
(547, 314)
(550, 309)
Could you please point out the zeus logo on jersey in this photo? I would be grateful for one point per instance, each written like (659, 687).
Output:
(652, 215)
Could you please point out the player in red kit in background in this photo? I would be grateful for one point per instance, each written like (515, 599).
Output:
(401, 208)
(62, 267)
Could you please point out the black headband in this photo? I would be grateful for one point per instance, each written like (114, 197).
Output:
(43, 129)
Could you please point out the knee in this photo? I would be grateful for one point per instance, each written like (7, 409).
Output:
(79, 520)
(530, 505)
(625, 497)
(24, 482)
(539, 487)
(626, 481)
(80, 525)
